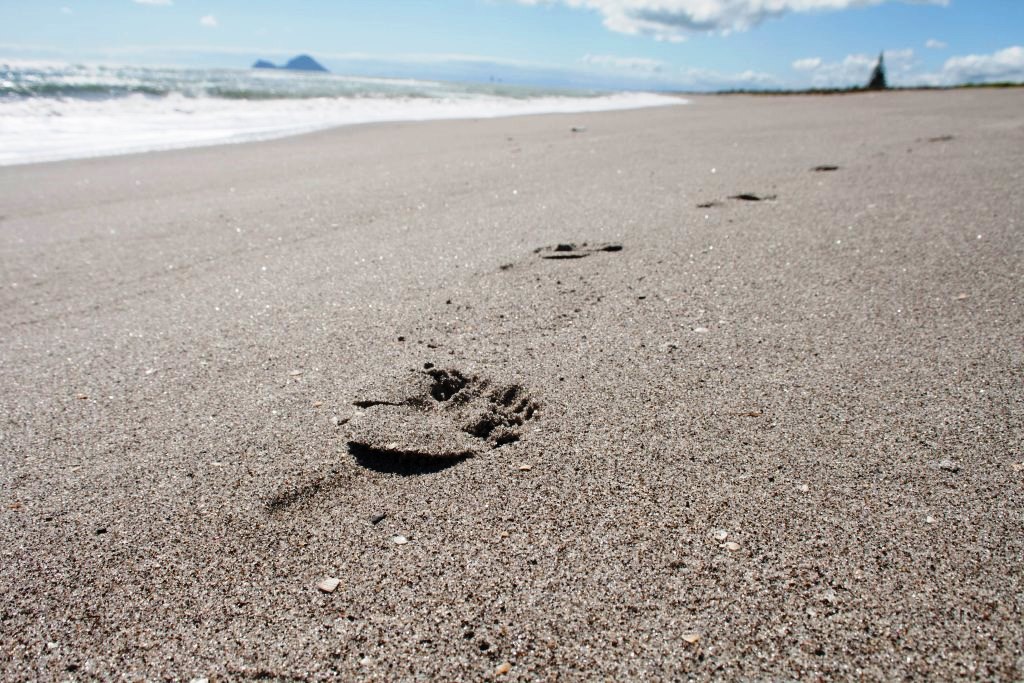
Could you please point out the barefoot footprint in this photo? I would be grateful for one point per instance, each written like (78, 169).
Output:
(435, 419)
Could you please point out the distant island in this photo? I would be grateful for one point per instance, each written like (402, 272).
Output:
(300, 63)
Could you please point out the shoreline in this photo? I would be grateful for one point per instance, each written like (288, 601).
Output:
(759, 421)
(194, 126)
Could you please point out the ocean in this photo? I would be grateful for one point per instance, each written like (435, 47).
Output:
(51, 111)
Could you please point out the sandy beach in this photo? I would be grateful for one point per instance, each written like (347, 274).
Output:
(779, 437)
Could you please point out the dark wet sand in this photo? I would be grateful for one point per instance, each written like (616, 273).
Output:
(791, 427)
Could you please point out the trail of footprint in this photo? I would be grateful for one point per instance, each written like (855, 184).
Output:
(435, 419)
(753, 197)
(570, 250)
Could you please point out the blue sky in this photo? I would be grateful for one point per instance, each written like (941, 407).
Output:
(666, 44)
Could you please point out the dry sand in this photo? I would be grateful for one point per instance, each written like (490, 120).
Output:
(792, 428)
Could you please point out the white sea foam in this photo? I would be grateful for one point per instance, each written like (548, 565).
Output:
(35, 128)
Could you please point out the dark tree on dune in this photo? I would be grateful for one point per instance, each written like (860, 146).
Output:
(877, 80)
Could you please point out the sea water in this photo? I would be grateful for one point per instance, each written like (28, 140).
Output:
(51, 111)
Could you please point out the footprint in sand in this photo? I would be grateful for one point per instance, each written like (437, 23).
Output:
(571, 250)
(743, 196)
(434, 419)
(751, 197)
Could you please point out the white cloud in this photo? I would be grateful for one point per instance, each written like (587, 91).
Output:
(855, 69)
(899, 58)
(933, 44)
(672, 20)
(153, 2)
(1004, 65)
(709, 79)
(209, 21)
(652, 73)
(624, 63)
(808, 64)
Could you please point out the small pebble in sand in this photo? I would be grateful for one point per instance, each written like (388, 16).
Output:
(81, 397)
(295, 373)
(721, 535)
(691, 638)
(317, 404)
(398, 539)
(929, 520)
(962, 296)
(731, 545)
(329, 585)
(949, 465)
(701, 330)
(503, 668)
(378, 518)
(804, 488)
(525, 468)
